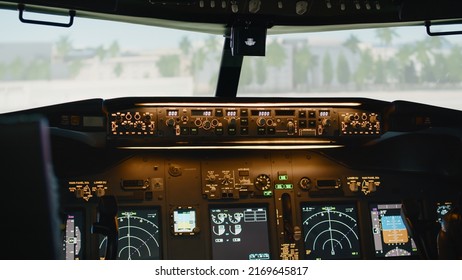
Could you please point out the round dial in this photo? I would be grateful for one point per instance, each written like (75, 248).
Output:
(263, 182)
(139, 235)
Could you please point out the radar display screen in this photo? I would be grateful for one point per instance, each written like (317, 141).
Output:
(72, 236)
(139, 235)
(391, 238)
(240, 233)
(330, 231)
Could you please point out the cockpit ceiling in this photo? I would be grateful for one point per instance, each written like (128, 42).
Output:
(279, 16)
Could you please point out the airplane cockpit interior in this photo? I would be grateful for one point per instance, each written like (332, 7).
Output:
(231, 129)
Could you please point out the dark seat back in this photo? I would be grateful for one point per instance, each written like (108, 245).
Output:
(29, 195)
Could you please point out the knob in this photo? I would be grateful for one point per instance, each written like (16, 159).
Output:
(374, 118)
(170, 122)
(206, 125)
(262, 182)
(305, 183)
(261, 121)
(326, 122)
(347, 119)
(147, 118)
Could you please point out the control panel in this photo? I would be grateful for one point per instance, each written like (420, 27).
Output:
(229, 122)
(242, 204)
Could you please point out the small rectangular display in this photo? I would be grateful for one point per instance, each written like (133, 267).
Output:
(261, 113)
(172, 113)
(442, 208)
(240, 233)
(324, 113)
(139, 234)
(184, 221)
(330, 231)
(205, 113)
(391, 238)
(286, 113)
(73, 236)
(231, 113)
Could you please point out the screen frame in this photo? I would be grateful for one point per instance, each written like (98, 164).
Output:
(160, 225)
(228, 206)
(359, 232)
(413, 255)
(194, 230)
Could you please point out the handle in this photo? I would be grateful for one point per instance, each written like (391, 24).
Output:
(428, 24)
(22, 7)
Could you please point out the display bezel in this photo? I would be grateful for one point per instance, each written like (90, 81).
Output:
(355, 254)
(159, 234)
(83, 230)
(174, 211)
(374, 234)
(215, 250)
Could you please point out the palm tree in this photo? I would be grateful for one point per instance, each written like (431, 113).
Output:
(63, 46)
(185, 45)
(327, 70)
(386, 35)
(454, 61)
(101, 53)
(114, 49)
(352, 43)
(198, 61)
(276, 54)
(343, 70)
(303, 62)
(169, 65)
(365, 69)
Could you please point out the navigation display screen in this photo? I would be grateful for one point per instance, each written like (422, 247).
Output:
(240, 233)
(139, 235)
(330, 231)
(391, 238)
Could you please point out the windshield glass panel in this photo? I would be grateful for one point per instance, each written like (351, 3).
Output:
(42, 65)
(388, 64)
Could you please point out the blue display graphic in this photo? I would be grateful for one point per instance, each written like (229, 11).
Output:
(391, 238)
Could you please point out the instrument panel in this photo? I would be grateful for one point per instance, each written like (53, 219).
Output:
(251, 179)
(239, 123)
(247, 204)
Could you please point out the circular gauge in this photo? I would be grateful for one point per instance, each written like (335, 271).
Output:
(139, 235)
(219, 218)
(330, 232)
(263, 182)
(236, 217)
